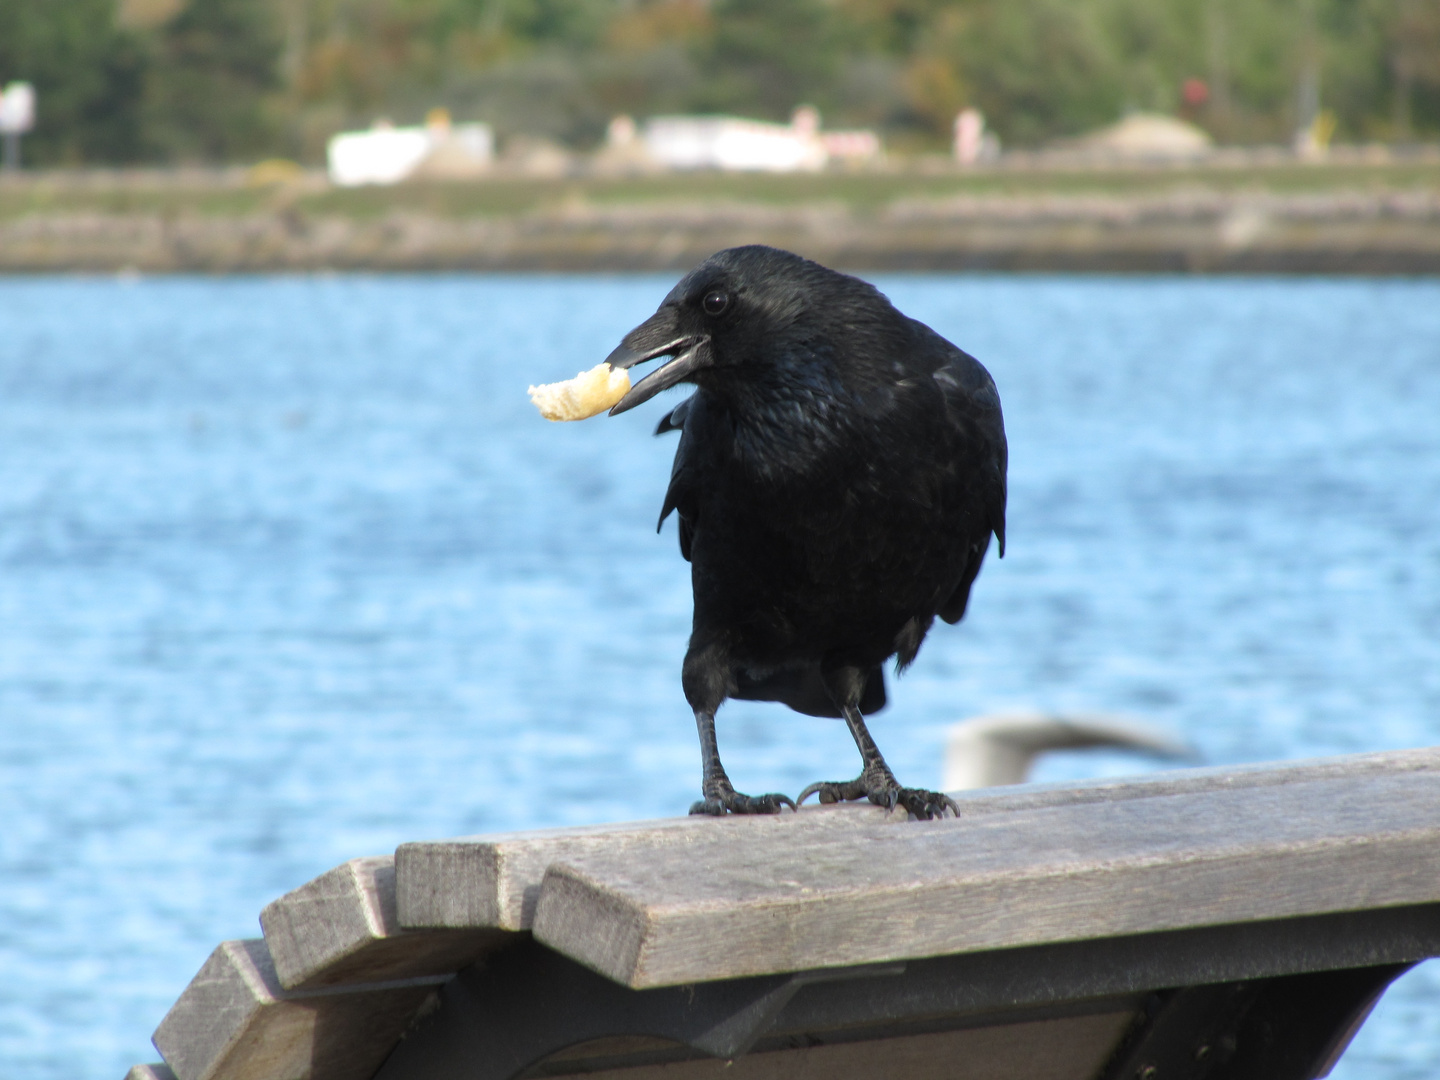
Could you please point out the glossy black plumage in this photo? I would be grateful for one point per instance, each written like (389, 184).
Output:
(840, 473)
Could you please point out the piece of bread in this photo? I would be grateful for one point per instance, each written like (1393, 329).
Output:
(582, 397)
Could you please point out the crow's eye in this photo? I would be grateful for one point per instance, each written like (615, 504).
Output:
(715, 302)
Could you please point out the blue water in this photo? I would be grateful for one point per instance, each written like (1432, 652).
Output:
(291, 572)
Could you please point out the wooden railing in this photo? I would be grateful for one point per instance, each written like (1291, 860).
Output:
(1196, 923)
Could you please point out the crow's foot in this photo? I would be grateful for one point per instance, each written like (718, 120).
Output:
(721, 798)
(881, 789)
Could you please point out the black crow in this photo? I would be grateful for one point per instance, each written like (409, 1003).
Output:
(841, 469)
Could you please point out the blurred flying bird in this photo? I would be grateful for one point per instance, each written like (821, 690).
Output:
(990, 751)
(840, 472)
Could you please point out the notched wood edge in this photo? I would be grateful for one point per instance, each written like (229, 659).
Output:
(432, 875)
(591, 923)
(359, 894)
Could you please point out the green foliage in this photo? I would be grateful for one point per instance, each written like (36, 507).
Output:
(764, 58)
(1036, 68)
(214, 63)
(238, 79)
(88, 78)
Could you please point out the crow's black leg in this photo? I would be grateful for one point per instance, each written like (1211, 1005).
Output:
(719, 795)
(706, 678)
(875, 782)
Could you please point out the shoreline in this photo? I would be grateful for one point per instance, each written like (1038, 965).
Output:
(565, 226)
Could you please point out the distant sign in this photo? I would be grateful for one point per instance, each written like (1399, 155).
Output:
(17, 108)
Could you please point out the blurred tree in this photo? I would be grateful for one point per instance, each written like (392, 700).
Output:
(1037, 68)
(1260, 59)
(88, 74)
(650, 60)
(231, 79)
(1411, 32)
(216, 62)
(1157, 46)
(935, 91)
(766, 57)
(641, 27)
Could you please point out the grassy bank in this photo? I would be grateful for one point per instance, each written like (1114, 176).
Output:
(1246, 215)
(229, 193)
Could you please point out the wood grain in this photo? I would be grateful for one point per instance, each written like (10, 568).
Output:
(791, 901)
(343, 927)
(235, 1022)
(494, 881)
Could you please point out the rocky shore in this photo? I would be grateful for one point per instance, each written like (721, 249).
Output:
(1175, 232)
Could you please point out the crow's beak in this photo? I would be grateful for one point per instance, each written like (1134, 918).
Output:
(658, 336)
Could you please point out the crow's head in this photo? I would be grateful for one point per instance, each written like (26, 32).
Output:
(746, 316)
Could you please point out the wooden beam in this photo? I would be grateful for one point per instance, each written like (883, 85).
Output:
(343, 927)
(235, 1022)
(1039, 897)
(792, 900)
(1066, 1048)
(494, 881)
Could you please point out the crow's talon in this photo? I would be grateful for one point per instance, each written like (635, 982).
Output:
(883, 791)
(926, 805)
(885, 797)
(722, 798)
(760, 804)
(833, 791)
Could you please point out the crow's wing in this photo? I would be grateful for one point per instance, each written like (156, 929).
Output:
(674, 420)
(972, 406)
(682, 495)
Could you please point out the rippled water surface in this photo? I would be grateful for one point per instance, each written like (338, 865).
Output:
(291, 572)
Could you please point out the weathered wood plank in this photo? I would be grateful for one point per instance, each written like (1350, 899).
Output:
(343, 927)
(494, 881)
(235, 1022)
(1216, 853)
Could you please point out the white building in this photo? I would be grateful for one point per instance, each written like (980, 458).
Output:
(734, 144)
(387, 154)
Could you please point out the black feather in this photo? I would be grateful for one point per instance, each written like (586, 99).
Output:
(840, 472)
